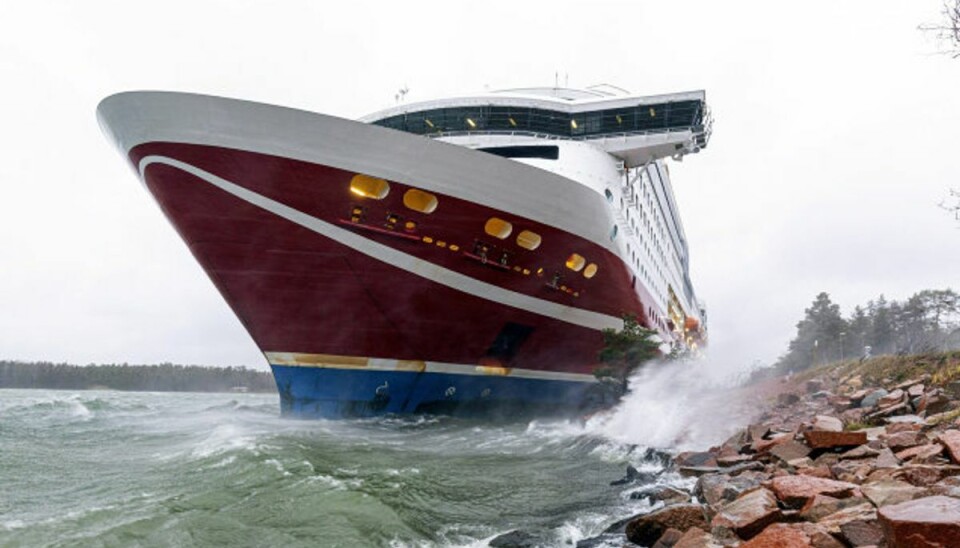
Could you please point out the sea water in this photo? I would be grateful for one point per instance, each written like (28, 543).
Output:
(104, 468)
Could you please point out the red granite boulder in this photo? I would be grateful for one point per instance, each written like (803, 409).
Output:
(749, 514)
(648, 528)
(930, 521)
(779, 535)
(795, 491)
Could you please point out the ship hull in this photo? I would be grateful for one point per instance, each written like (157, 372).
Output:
(363, 305)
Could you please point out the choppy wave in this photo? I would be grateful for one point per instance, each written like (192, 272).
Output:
(207, 469)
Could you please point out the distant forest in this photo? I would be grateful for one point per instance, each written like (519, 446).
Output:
(165, 377)
(928, 321)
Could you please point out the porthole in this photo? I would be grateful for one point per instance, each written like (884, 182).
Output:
(590, 271)
(421, 201)
(498, 228)
(613, 233)
(369, 187)
(528, 240)
(608, 194)
(575, 262)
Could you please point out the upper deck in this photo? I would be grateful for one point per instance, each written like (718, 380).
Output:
(635, 129)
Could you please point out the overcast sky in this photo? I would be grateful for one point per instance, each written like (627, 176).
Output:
(836, 135)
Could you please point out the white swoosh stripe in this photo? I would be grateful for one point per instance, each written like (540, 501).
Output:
(389, 255)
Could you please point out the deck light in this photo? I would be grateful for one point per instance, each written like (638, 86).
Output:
(619, 119)
(471, 123)
(653, 112)
(428, 122)
(573, 123)
(512, 121)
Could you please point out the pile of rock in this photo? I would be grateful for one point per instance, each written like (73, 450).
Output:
(839, 464)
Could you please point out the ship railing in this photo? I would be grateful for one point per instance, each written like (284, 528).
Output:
(700, 133)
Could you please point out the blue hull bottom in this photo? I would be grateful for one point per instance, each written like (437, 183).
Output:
(311, 392)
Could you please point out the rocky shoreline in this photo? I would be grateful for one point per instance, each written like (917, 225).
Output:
(840, 457)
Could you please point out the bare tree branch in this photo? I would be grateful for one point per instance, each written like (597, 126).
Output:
(947, 31)
(952, 203)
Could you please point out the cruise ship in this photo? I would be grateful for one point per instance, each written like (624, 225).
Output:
(456, 256)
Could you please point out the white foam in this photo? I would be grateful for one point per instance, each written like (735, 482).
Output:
(677, 405)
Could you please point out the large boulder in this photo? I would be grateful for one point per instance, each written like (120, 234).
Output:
(821, 506)
(893, 398)
(749, 514)
(887, 492)
(716, 489)
(871, 399)
(950, 440)
(827, 423)
(821, 439)
(647, 529)
(795, 491)
(779, 535)
(861, 533)
(696, 537)
(931, 521)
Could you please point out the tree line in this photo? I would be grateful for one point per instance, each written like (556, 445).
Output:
(928, 321)
(164, 377)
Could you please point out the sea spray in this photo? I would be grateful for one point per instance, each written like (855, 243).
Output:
(678, 405)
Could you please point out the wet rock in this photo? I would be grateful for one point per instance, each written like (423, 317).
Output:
(861, 512)
(915, 391)
(816, 471)
(764, 446)
(827, 423)
(861, 533)
(730, 470)
(696, 459)
(795, 491)
(516, 539)
(749, 514)
(821, 506)
(634, 475)
(779, 535)
(950, 440)
(818, 439)
(696, 537)
(669, 538)
(733, 460)
(716, 489)
(756, 432)
(647, 529)
(886, 492)
(790, 450)
(871, 399)
(662, 493)
(857, 396)
(931, 521)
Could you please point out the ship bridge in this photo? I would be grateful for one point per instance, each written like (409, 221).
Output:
(635, 129)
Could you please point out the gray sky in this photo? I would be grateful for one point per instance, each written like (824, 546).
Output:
(836, 135)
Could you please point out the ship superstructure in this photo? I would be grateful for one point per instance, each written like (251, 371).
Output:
(453, 256)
